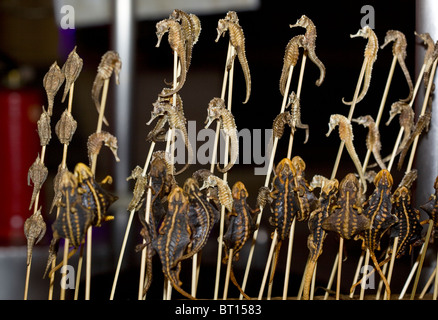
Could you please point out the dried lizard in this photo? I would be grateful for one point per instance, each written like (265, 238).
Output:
(346, 135)
(34, 230)
(317, 234)
(309, 43)
(97, 140)
(94, 197)
(109, 63)
(399, 51)
(202, 217)
(173, 238)
(240, 227)
(290, 59)
(52, 81)
(71, 69)
(217, 111)
(177, 121)
(370, 55)
(347, 219)
(237, 39)
(176, 42)
(306, 199)
(65, 128)
(378, 209)
(44, 129)
(373, 138)
(37, 173)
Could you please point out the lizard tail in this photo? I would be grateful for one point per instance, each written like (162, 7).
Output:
(274, 265)
(234, 281)
(175, 284)
(308, 274)
(71, 253)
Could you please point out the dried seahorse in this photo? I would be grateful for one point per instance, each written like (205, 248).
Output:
(217, 111)
(176, 42)
(346, 135)
(109, 63)
(97, 139)
(34, 230)
(176, 121)
(290, 59)
(71, 69)
(37, 173)
(422, 124)
(52, 81)
(191, 28)
(294, 101)
(370, 55)
(428, 56)
(237, 40)
(280, 122)
(224, 191)
(399, 51)
(373, 138)
(309, 44)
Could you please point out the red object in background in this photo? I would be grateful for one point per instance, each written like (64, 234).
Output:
(19, 147)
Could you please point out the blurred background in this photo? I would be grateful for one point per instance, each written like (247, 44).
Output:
(31, 39)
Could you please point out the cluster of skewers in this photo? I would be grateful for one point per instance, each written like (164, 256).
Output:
(177, 218)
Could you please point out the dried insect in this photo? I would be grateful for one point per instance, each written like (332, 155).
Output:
(346, 135)
(109, 63)
(373, 138)
(44, 130)
(52, 81)
(399, 51)
(309, 43)
(378, 209)
(173, 238)
(95, 142)
(176, 42)
(94, 197)
(290, 59)
(347, 219)
(66, 127)
(317, 234)
(370, 55)
(37, 173)
(240, 227)
(237, 39)
(71, 69)
(34, 230)
(217, 111)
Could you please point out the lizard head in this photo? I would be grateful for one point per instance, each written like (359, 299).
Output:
(177, 196)
(161, 28)
(239, 191)
(222, 27)
(383, 177)
(68, 181)
(285, 167)
(349, 184)
(83, 172)
(299, 164)
(303, 22)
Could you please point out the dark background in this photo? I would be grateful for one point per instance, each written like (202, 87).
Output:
(267, 32)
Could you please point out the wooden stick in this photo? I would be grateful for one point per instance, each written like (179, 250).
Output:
(411, 274)
(338, 278)
(428, 284)
(391, 266)
(267, 179)
(227, 276)
(356, 274)
(364, 278)
(288, 261)
(268, 262)
(435, 289)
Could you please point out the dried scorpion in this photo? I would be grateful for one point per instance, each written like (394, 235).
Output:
(173, 238)
(346, 135)
(309, 44)
(370, 55)
(176, 120)
(317, 234)
(52, 81)
(373, 138)
(109, 63)
(240, 227)
(399, 51)
(347, 217)
(176, 42)
(217, 111)
(237, 39)
(378, 209)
